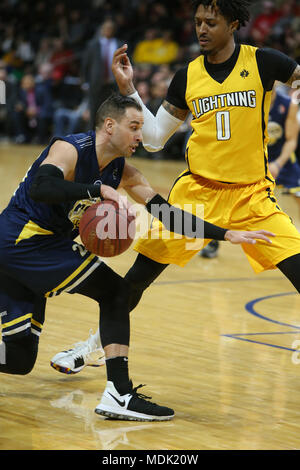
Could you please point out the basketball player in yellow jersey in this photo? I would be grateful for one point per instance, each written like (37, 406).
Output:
(228, 91)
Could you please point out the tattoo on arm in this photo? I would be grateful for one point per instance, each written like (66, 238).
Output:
(294, 78)
(294, 82)
(176, 112)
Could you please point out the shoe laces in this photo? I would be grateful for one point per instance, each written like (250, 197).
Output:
(84, 348)
(139, 395)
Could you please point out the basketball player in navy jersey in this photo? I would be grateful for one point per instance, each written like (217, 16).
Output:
(40, 259)
(227, 89)
(283, 129)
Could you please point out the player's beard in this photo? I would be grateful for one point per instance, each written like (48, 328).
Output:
(204, 51)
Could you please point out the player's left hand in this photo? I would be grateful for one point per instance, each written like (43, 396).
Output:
(237, 237)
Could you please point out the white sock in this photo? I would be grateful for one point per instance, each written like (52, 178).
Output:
(2, 353)
(96, 338)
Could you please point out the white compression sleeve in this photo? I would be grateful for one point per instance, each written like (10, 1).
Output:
(157, 129)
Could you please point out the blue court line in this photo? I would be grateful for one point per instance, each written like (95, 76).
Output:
(250, 308)
(226, 279)
(265, 333)
(262, 342)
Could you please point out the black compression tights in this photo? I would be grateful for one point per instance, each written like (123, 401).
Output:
(117, 296)
(290, 267)
(143, 272)
(111, 291)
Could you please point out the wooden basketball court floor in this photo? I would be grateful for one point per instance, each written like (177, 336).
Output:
(212, 340)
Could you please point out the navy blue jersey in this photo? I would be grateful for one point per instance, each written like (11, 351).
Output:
(289, 175)
(276, 125)
(64, 218)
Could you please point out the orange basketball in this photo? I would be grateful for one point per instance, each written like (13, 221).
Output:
(107, 230)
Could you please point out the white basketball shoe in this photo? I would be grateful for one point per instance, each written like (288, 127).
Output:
(83, 353)
(131, 406)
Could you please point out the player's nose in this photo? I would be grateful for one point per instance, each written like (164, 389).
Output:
(139, 136)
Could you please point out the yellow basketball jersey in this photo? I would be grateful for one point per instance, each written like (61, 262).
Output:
(229, 139)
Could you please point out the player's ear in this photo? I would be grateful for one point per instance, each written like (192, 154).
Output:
(109, 125)
(234, 26)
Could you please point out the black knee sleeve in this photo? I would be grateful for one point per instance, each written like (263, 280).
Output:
(143, 272)
(20, 355)
(290, 267)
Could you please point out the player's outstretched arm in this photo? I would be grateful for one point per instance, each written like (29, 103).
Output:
(184, 223)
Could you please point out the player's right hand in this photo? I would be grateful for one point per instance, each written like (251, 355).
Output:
(107, 192)
(123, 71)
(237, 237)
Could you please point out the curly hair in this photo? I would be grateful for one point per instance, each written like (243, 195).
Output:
(232, 10)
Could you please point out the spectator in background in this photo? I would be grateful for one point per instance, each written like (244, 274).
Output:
(292, 38)
(143, 89)
(44, 97)
(44, 52)
(162, 73)
(24, 49)
(33, 109)
(263, 23)
(156, 50)
(13, 62)
(7, 109)
(159, 89)
(69, 121)
(96, 67)
(285, 19)
(9, 37)
(76, 30)
(61, 59)
(142, 53)
(26, 110)
(143, 72)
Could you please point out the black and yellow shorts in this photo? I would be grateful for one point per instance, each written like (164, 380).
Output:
(231, 206)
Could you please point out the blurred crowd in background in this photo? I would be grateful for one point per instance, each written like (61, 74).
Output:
(56, 74)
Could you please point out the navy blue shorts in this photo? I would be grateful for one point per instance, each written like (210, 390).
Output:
(35, 264)
(289, 176)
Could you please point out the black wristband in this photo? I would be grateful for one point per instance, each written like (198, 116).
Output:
(182, 222)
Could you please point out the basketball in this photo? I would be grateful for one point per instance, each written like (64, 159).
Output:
(106, 229)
